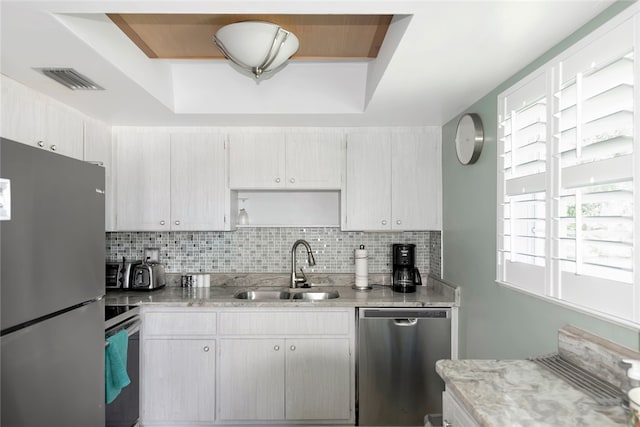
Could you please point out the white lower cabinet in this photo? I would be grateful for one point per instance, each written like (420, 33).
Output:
(289, 366)
(317, 379)
(454, 414)
(178, 367)
(179, 380)
(229, 366)
(252, 378)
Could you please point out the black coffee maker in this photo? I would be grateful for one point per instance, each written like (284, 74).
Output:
(405, 275)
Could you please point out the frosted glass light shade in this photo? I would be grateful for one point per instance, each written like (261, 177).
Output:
(256, 46)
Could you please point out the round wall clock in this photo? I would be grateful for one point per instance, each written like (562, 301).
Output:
(469, 138)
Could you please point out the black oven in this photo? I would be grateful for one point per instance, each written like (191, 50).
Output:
(124, 410)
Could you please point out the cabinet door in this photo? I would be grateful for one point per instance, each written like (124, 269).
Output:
(251, 379)
(367, 195)
(64, 130)
(257, 160)
(416, 180)
(32, 118)
(454, 414)
(143, 181)
(19, 108)
(98, 149)
(314, 160)
(198, 187)
(318, 379)
(178, 380)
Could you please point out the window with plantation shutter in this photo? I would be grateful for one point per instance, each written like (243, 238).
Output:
(522, 195)
(569, 176)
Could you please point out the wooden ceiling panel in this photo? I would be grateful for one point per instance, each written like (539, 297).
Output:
(189, 36)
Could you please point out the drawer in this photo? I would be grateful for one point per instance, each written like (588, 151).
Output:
(320, 322)
(189, 322)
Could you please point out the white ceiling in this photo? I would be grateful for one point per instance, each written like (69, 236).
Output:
(437, 59)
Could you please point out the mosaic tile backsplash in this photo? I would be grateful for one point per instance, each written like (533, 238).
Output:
(268, 250)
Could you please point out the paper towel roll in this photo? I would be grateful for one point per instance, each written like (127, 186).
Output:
(362, 274)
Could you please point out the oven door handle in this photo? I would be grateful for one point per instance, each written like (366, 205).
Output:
(132, 326)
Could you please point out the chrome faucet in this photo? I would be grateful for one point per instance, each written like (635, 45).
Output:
(295, 279)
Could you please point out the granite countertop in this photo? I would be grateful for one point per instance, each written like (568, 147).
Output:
(224, 287)
(522, 393)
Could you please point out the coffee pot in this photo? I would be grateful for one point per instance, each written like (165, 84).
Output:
(405, 274)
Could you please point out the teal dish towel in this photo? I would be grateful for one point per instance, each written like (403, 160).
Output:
(115, 365)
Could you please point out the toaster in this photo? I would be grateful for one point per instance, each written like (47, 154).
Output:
(147, 276)
(118, 274)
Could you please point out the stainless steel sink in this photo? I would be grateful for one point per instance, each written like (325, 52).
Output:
(315, 296)
(262, 295)
(286, 295)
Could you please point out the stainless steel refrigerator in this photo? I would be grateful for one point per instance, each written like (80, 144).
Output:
(51, 290)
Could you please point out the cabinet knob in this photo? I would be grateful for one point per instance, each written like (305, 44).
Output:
(292, 180)
(446, 423)
(398, 222)
(162, 222)
(53, 147)
(40, 144)
(384, 222)
(278, 180)
(177, 222)
(205, 348)
(276, 347)
(292, 348)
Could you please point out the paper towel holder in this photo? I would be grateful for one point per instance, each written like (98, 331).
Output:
(360, 257)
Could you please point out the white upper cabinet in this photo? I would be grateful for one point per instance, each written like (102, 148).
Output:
(199, 195)
(98, 148)
(393, 180)
(416, 178)
(314, 160)
(34, 119)
(256, 160)
(143, 177)
(171, 181)
(367, 196)
(303, 160)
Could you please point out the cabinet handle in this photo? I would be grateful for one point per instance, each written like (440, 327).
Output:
(384, 222)
(40, 144)
(278, 180)
(206, 348)
(292, 348)
(53, 147)
(292, 180)
(177, 222)
(276, 347)
(446, 423)
(162, 222)
(398, 222)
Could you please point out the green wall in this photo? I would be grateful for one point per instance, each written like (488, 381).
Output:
(495, 321)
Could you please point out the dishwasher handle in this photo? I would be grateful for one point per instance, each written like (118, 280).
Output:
(390, 313)
(405, 322)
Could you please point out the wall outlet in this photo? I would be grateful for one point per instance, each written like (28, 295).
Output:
(151, 254)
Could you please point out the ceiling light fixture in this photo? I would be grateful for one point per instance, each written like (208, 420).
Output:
(255, 46)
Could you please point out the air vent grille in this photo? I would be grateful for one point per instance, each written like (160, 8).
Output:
(70, 78)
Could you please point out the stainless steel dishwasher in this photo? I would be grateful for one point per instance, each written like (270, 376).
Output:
(397, 352)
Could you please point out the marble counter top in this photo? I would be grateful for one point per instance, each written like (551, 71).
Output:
(222, 296)
(521, 393)
(224, 286)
